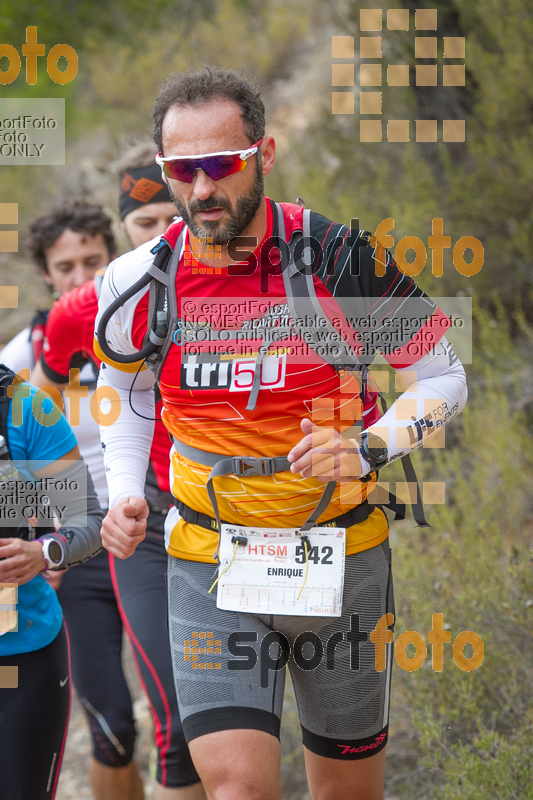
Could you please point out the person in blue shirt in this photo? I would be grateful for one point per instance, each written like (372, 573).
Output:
(35, 690)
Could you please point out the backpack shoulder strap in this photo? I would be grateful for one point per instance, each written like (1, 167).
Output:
(303, 302)
(163, 302)
(303, 305)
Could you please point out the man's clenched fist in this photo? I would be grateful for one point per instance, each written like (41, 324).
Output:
(125, 526)
(326, 455)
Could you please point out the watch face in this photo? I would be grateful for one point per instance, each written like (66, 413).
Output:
(379, 453)
(377, 448)
(55, 553)
(375, 443)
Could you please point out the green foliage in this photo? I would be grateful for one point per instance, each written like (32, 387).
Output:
(491, 190)
(123, 77)
(481, 188)
(474, 567)
(73, 22)
(494, 766)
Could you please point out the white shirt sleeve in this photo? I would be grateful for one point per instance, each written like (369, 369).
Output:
(127, 442)
(436, 394)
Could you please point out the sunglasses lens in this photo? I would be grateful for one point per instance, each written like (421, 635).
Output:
(182, 170)
(219, 167)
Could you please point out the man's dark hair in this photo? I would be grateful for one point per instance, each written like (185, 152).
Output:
(78, 216)
(199, 87)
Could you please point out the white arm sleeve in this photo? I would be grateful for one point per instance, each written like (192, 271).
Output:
(436, 393)
(127, 442)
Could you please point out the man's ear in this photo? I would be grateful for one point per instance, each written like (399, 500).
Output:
(268, 154)
(46, 278)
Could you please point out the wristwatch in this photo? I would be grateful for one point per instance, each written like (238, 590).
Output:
(53, 552)
(374, 450)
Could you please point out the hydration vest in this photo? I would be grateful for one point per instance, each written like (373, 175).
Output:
(303, 304)
(164, 328)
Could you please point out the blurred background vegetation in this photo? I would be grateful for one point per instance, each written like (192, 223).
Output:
(455, 735)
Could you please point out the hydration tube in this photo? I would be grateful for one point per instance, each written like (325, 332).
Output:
(151, 346)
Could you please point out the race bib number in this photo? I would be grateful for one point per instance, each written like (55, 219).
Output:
(270, 575)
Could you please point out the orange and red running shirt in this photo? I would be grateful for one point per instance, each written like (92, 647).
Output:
(205, 388)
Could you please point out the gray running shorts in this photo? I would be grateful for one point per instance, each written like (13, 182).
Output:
(229, 667)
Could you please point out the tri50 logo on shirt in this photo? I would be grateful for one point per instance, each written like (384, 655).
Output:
(211, 371)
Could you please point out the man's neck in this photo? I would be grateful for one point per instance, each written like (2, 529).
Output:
(220, 258)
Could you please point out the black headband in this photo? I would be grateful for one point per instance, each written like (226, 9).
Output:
(141, 186)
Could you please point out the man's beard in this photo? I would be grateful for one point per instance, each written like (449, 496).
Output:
(241, 216)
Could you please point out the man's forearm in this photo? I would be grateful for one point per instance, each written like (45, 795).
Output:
(80, 529)
(437, 393)
(127, 442)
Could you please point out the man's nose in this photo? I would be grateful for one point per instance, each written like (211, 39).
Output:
(81, 275)
(204, 187)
